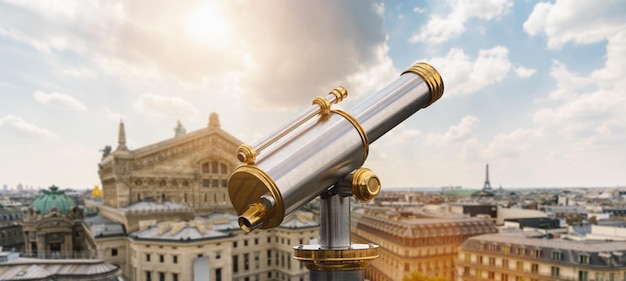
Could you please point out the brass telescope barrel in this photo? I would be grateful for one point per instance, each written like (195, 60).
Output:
(306, 157)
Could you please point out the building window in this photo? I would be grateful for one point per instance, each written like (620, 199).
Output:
(256, 241)
(520, 251)
(466, 270)
(175, 259)
(218, 274)
(114, 252)
(269, 257)
(161, 276)
(256, 260)
(148, 276)
(583, 259)
(147, 257)
(175, 276)
(161, 258)
(491, 275)
(506, 249)
(205, 168)
(468, 257)
(235, 264)
(505, 263)
(583, 275)
(492, 261)
(536, 253)
(234, 244)
(205, 182)
(519, 266)
(534, 268)
(480, 259)
(556, 256)
(504, 277)
(555, 271)
(245, 243)
(246, 261)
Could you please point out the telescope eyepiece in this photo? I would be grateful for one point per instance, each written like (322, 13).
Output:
(252, 218)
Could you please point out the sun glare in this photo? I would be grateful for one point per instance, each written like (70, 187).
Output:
(207, 25)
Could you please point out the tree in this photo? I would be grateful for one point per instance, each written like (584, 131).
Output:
(417, 276)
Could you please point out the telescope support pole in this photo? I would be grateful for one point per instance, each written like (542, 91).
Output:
(335, 235)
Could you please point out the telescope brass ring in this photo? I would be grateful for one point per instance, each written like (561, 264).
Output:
(340, 93)
(246, 154)
(323, 103)
(431, 77)
(358, 127)
(317, 259)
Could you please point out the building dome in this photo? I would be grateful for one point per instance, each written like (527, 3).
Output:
(53, 198)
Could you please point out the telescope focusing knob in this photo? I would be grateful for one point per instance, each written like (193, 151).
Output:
(365, 185)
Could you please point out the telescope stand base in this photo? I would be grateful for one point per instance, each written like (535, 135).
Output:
(336, 264)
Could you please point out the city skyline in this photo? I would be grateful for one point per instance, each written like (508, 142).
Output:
(532, 89)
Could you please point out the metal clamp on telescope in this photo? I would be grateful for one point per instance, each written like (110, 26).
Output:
(310, 157)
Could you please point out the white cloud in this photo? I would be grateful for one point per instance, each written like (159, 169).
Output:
(456, 134)
(463, 76)
(156, 105)
(79, 72)
(21, 126)
(441, 28)
(509, 145)
(586, 111)
(59, 100)
(523, 72)
(289, 66)
(419, 10)
(577, 21)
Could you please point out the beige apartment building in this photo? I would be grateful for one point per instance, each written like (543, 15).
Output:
(165, 214)
(531, 255)
(411, 242)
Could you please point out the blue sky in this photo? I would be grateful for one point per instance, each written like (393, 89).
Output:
(535, 89)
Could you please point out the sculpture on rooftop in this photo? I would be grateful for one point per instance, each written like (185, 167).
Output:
(105, 151)
(179, 130)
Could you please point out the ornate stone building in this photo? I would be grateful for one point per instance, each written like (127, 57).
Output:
(411, 242)
(533, 255)
(165, 214)
(52, 226)
(190, 169)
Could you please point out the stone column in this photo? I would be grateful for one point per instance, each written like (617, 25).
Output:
(68, 246)
(41, 246)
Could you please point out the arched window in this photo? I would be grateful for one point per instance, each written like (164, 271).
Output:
(214, 174)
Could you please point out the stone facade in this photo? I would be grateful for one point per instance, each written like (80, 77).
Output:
(165, 212)
(411, 242)
(54, 234)
(531, 255)
(190, 169)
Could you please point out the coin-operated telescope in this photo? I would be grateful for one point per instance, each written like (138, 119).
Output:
(321, 153)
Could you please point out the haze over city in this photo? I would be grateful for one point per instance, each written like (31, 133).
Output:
(535, 89)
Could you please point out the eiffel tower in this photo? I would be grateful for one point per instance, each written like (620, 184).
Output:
(487, 186)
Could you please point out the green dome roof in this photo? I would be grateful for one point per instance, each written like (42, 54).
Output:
(53, 198)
